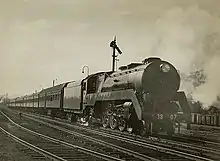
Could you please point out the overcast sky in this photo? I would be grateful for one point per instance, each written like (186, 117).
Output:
(41, 40)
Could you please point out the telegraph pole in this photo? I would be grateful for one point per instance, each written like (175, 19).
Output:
(113, 61)
(114, 46)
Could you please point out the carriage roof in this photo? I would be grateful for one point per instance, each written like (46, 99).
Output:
(56, 88)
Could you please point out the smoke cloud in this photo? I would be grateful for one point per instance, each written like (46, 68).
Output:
(190, 39)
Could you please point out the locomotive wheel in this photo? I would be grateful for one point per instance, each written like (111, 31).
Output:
(90, 120)
(122, 124)
(113, 122)
(144, 128)
(105, 121)
(129, 129)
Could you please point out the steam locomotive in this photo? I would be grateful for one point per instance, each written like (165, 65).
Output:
(139, 97)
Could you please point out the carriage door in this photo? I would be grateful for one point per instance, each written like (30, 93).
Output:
(83, 93)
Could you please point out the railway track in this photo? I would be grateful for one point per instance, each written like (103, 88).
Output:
(111, 149)
(53, 148)
(34, 151)
(212, 145)
(202, 148)
(196, 146)
(197, 133)
(158, 149)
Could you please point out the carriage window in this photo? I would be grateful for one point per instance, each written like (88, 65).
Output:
(55, 97)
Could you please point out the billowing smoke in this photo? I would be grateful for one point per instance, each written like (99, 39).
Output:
(190, 39)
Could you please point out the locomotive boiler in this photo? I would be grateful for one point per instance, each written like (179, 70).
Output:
(154, 78)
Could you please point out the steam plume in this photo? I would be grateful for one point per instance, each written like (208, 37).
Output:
(190, 39)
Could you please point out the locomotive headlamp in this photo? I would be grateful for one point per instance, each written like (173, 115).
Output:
(165, 68)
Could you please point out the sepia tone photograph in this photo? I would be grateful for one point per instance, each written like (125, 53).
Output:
(110, 80)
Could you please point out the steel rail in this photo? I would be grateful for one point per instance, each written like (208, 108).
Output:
(84, 150)
(33, 147)
(135, 142)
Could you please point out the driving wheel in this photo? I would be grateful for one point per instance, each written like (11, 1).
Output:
(105, 121)
(113, 122)
(122, 124)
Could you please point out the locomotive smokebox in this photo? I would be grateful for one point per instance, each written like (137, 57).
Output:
(161, 80)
